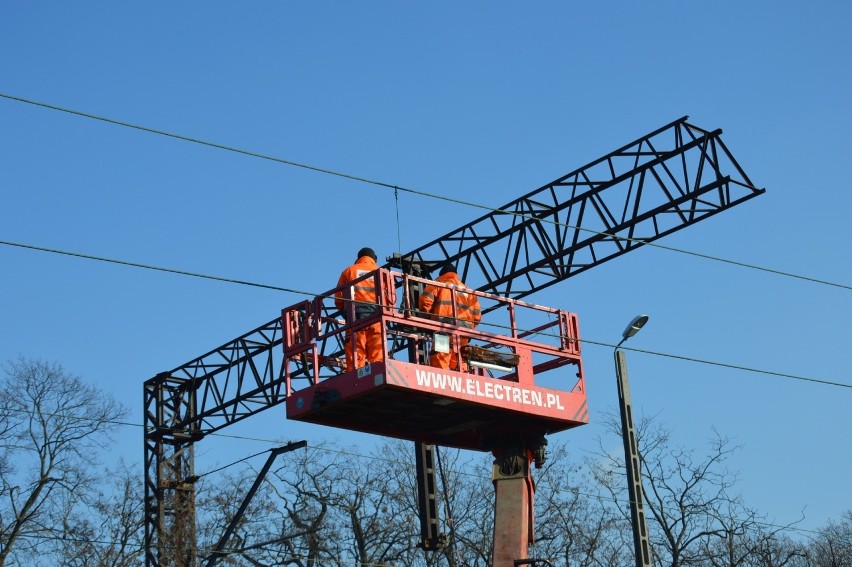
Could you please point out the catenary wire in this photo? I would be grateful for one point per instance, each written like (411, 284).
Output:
(238, 461)
(149, 267)
(398, 188)
(692, 359)
(302, 292)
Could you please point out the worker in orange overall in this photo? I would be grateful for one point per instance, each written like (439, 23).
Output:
(369, 342)
(438, 302)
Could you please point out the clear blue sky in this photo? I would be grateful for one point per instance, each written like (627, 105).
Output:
(482, 101)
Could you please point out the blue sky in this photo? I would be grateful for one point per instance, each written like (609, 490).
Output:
(478, 101)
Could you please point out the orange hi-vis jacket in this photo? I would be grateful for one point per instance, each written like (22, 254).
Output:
(364, 291)
(439, 302)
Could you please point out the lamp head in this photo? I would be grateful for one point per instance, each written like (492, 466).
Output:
(635, 325)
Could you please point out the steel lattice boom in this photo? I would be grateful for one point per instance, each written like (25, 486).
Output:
(661, 183)
(665, 181)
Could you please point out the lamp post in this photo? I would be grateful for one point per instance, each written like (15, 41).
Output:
(641, 545)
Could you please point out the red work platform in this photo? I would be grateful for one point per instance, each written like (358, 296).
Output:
(404, 398)
(435, 406)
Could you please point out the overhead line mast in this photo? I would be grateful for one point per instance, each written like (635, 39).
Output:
(667, 180)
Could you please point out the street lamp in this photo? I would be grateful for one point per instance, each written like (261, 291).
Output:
(633, 327)
(641, 545)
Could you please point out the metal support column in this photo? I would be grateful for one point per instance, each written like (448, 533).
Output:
(513, 508)
(431, 539)
(170, 475)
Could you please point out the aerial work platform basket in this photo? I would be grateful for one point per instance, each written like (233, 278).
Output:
(501, 394)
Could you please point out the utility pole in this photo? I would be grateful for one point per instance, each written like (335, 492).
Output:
(641, 544)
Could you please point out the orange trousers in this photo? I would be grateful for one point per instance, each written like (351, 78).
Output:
(448, 359)
(369, 346)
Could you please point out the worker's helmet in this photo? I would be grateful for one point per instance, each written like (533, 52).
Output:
(367, 252)
(447, 269)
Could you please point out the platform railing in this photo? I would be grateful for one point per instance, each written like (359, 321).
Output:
(315, 331)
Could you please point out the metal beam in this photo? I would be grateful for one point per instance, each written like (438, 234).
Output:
(662, 182)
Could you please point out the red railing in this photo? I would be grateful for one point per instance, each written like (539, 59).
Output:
(315, 331)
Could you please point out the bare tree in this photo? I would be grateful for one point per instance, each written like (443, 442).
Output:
(370, 511)
(320, 506)
(106, 528)
(52, 424)
(352, 509)
(833, 546)
(746, 539)
(684, 495)
(468, 493)
(572, 525)
(465, 501)
(777, 550)
(306, 489)
(257, 531)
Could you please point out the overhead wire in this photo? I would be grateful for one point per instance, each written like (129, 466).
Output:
(731, 366)
(398, 224)
(313, 294)
(398, 188)
(231, 464)
(391, 461)
(150, 267)
(689, 359)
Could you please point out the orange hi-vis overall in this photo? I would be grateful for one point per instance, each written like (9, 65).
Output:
(438, 301)
(369, 342)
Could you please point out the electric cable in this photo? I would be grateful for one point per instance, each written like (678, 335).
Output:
(725, 365)
(195, 140)
(238, 461)
(312, 294)
(692, 359)
(149, 267)
(398, 188)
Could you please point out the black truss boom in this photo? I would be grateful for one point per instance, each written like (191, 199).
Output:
(663, 182)
(226, 385)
